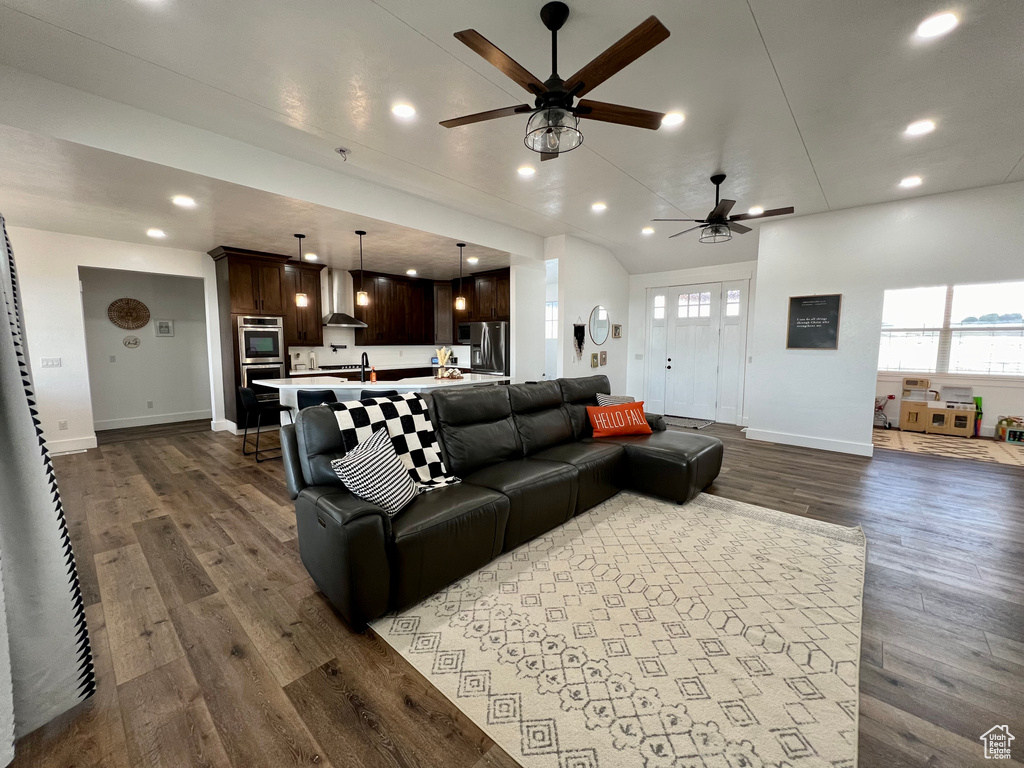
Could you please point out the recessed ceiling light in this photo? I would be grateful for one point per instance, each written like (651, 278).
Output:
(937, 25)
(311, 257)
(472, 259)
(598, 206)
(757, 210)
(157, 233)
(183, 201)
(527, 170)
(647, 230)
(920, 127)
(403, 110)
(911, 181)
(410, 271)
(673, 118)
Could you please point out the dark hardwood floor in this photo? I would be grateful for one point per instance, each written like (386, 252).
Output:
(213, 647)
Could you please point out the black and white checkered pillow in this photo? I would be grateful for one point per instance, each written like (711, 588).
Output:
(406, 419)
(373, 471)
(604, 400)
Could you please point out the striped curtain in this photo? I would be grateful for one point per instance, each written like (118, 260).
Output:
(45, 660)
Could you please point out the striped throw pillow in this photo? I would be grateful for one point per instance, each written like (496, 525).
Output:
(373, 471)
(604, 400)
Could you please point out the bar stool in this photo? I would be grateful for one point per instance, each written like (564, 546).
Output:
(251, 405)
(311, 397)
(366, 394)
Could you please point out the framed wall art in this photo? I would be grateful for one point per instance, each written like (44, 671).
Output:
(164, 327)
(814, 322)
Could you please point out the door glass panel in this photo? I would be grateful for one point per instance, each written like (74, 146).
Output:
(659, 307)
(732, 304)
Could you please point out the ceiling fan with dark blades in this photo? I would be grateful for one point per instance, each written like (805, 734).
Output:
(553, 126)
(718, 226)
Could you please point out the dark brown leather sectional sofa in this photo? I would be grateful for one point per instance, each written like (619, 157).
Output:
(528, 463)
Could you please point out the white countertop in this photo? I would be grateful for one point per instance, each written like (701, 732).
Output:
(416, 384)
(350, 371)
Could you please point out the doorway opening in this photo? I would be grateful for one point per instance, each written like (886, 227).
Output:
(151, 372)
(696, 344)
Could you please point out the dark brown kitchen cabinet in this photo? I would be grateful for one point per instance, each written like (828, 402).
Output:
(303, 326)
(400, 311)
(253, 281)
(444, 331)
(503, 297)
(486, 297)
(493, 299)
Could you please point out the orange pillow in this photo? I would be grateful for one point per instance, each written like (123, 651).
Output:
(625, 419)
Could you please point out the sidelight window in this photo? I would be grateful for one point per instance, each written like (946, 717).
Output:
(551, 320)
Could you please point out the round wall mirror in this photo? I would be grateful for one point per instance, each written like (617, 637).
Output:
(599, 324)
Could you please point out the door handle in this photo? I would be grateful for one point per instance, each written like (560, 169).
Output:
(669, 367)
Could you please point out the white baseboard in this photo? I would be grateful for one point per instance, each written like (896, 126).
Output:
(223, 426)
(806, 441)
(146, 421)
(71, 445)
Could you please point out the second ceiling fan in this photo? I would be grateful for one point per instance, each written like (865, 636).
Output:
(719, 225)
(553, 126)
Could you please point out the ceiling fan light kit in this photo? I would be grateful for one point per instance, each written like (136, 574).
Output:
(551, 131)
(553, 125)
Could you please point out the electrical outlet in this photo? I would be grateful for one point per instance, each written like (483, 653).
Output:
(50, 362)
(113, 358)
(62, 424)
(638, 356)
(149, 404)
(401, 353)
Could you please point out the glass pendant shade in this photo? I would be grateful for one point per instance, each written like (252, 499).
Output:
(715, 233)
(301, 300)
(362, 298)
(460, 303)
(553, 131)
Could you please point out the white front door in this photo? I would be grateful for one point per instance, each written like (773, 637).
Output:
(691, 360)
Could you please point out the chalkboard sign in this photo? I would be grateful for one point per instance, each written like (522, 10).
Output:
(814, 322)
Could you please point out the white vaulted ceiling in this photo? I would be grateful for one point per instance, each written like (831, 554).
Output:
(800, 102)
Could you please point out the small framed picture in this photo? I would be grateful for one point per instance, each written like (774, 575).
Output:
(593, 360)
(164, 327)
(616, 331)
(604, 358)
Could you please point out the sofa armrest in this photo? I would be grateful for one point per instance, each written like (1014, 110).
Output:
(656, 422)
(293, 478)
(344, 542)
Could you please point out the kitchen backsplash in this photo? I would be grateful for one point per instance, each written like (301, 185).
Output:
(380, 357)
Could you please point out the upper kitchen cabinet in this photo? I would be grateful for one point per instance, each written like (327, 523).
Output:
(493, 295)
(400, 311)
(444, 330)
(252, 282)
(303, 326)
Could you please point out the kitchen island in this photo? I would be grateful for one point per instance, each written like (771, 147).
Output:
(350, 390)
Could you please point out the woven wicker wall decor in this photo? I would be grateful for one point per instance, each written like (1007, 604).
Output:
(129, 314)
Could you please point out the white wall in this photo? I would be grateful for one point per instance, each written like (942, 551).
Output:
(171, 372)
(824, 399)
(589, 275)
(48, 264)
(527, 327)
(635, 330)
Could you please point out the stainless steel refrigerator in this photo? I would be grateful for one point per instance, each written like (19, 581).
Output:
(488, 347)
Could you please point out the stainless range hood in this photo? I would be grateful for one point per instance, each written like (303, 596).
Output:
(339, 298)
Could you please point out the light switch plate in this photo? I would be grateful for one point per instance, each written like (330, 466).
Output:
(113, 358)
(62, 424)
(50, 362)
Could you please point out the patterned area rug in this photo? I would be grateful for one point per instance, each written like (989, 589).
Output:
(683, 421)
(643, 633)
(977, 448)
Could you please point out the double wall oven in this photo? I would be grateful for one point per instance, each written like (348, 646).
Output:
(261, 353)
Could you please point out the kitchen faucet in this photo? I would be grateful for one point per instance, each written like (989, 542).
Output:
(363, 363)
